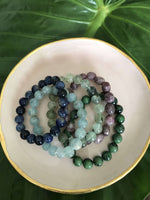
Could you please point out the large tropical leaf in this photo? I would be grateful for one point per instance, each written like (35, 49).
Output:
(27, 24)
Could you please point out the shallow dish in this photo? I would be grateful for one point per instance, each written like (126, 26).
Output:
(77, 55)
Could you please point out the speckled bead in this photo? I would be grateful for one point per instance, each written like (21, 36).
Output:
(20, 127)
(60, 122)
(75, 143)
(54, 131)
(77, 79)
(98, 118)
(77, 160)
(59, 85)
(106, 155)
(52, 106)
(98, 161)
(96, 99)
(29, 95)
(99, 80)
(99, 138)
(110, 108)
(41, 83)
(71, 97)
(86, 99)
(80, 133)
(97, 128)
(106, 87)
(31, 139)
(99, 108)
(91, 136)
(109, 97)
(62, 112)
(48, 138)
(82, 113)
(54, 91)
(48, 80)
(55, 79)
(106, 130)
(24, 134)
(32, 111)
(37, 130)
(23, 101)
(78, 104)
(34, 102)
(20, 110)
(38, 95)
(62, 138)
(91, 75)
(51, 123)
(45, 146)
(82, 123)
(109, 120)
(119, 128)
(34, 88)
(34, 120)
(117, 138)
(120, 118)
(91, 91)
(73, 115)
(19, 119)
(51, 114)
(113, 147)
(69, 152)
(53, 98)
(63, 102)
(46, 90)
(39, 140)
(85, 84)
(87, 163)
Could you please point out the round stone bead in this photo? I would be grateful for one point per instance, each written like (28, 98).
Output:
(78, 104)
(52, 150)
(69, 78)
(34, 121)
(48, 138)
(80, 133)
(77, 79)
(113, 147)
(73, 115)
(62, 93)
(83, 75)
(69, 152)
(31, 138)
(87, 163)
(96, 99)
(24, 134)
(86, 99)
(91, 91)
(110, 108)
(20, 110)
(85, 84)
(23, 101)
(99, 108)
(20, 127)
(62, 112)
(62, 138)
(98, 118)
(115, 101)
(51, 123)
(34, 102)
(41, 83)
(82, 113)
(38, 130)
(98, 161)
(48, 80)
(39, 140)
(19, 119)
(54, 131)
(91, 75)
(99, 80)
(91, 136)
(59, 85)
(29, 95)
(109, 120)
(52, 105)
(53, 98)
(61, 122)
(34, 88)
(106, 129)
(117, 138)
(84, 142)
(120, 118)
(75, 143)
(45, 146)
(60, 152)
(54, 91)
(106, 87)
(71, 127)
(46, 90)
(97, 128)
(55, 79)
(32, 111)
(99, 138)
(119, 109)
(74, 86)
(119, 128)
(38, 95)
(71, 97)
(63, 102)
(109, 97)
(106, 155)
(102, 94)
(82, 123)
(51, 114)
(77, 160)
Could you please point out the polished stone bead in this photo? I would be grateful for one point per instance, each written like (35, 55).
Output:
(109, 120)
(45, 146)
(54, 131)
(69, 78)
(19, 119)
(63, 102)
(115, 101)
(39, 140)
(120, 118)
(34, 120)
(34, 102)
(77, 79)
(119, 128)
(75, 143)
(85, 84)
(82, 123)
(109, 97)
(102, 94)
(98, 161)
(106, 155)
(60, 122)
(106, 87)
(52, 105)
(82, 113)
(20, 110)
(96, 99)
(62, 112)
(41, 83)
(83, 75)
(51, 114)
(31, 139)
(91, 91)
(32, 111)
(60, 152)
(54, 91)
(99, 80)
(97, 128)
(91, 136)
(46, 90)
(60, 85)
(113, 147)
(23, 101)
(34, 88)
(80, 133)
(29, 95)
(87, 163)
(71, 127)
(71, 97)
(91, 75)
(73, 115)
(38, 95)
(55, 79)
(99, 108)
(98, 118)
(110, 108)
(86, 99)
(117, 138)
(78, 104)
(52, 150)
(69, 152)
(38, 130)
(77, 160)
(62, 138)
(53, 98)
(24, 134)
(20, 127)
(74, 86)
(84, 142)
(48, 138)
(51, 123)
(99, 138)
(48, 80)
(119, 109)
(106, 129)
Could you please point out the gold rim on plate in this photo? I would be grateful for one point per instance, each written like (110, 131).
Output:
(86, 190)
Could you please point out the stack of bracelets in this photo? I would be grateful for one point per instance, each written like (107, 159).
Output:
(70, 125)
